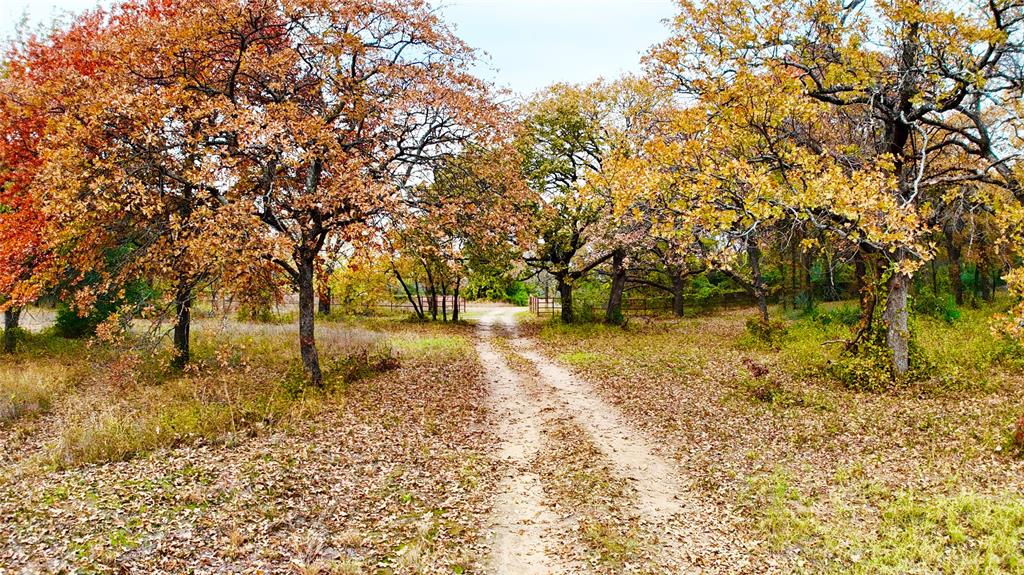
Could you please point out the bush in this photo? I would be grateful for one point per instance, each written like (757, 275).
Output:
(517, 294)
(937, 305)
(870, 368)
(263, 314)
(770, 331)
(847, 315)
(703, 293)
(496, 288)
(69, 323)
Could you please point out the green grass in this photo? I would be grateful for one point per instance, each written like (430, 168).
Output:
(967, 354)
(912, 478)
(580, 358)
(555, 327)
(615, 544)
(965, 533)
(412, 345)
(872, 530)
(779, 511)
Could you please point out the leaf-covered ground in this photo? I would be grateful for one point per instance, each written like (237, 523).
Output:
(669, 446)
(912, 480)
(387, 473)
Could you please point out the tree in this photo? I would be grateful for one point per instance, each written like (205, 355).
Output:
(26, 264)
(563, 149)
(925, 82)
(469, 214)
(631, 111)
(294, 126)
(22, 247)
(333, 107)
(126, 168)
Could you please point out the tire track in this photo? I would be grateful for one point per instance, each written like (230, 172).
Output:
(522, 528)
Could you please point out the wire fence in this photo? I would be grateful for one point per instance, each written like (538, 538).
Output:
(645, 306)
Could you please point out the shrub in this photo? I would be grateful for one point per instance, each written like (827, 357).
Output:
(517, 294)
(258, 313)
(940, 306)
(847, 315)
(760, 386)
(870, 368)
(770, 331)
(703, 293)
(71, 324)
(764, 390)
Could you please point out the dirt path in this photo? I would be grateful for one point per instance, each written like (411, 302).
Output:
(692, 537)
(522, 527)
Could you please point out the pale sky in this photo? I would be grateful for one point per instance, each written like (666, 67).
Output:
(531, 43)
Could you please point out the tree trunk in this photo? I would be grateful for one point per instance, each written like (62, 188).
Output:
(794, 281)
(12, 316)
(416, 308)
(896, 318)
(783, 271)
(432, 300)
(956, 283)
(985, 274)
(677, 293)
(565, 291)
(455, 298)
(324, 301)
(419, 298)
(808, 263)
(307, 316)
(613, 314)
(977, 285)
(860, 273)
(864, 288)
(182, 324)
(754, 257)
(444, 301)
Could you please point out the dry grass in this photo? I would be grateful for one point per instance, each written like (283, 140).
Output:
(917, 479)
(231, 467)
(30, 389)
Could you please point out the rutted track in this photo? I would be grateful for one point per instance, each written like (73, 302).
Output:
(690, 535)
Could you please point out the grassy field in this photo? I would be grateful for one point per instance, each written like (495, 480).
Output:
(830, 478)
(112, 462)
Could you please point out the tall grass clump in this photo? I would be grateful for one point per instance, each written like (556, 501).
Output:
(30, 388)
(244, 379)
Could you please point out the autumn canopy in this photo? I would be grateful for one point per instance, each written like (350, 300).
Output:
(250, 146)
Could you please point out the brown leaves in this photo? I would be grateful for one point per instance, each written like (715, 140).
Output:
(388, 474)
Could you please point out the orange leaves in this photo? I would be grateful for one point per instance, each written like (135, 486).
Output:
(195, 129)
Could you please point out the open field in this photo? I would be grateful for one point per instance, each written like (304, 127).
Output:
(828, 479)
(391, 287)
(523, 446)
(109, 466)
